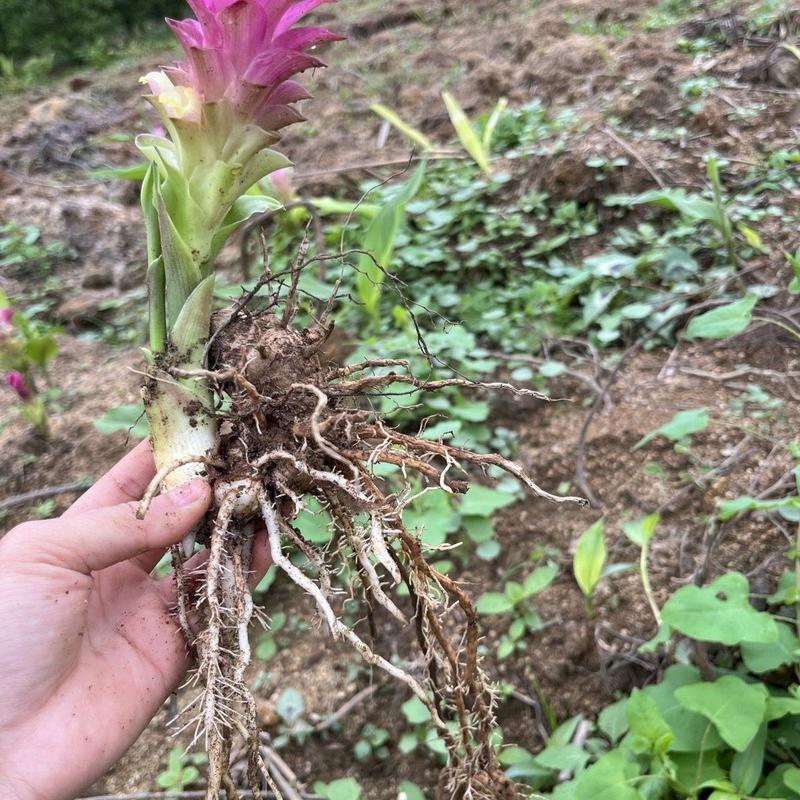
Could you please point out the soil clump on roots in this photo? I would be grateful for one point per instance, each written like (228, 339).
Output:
(293, 427)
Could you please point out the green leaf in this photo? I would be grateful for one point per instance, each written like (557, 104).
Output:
(779, 706)
(341, 789)
(40, 349)
(748, 765)
(409, 791)
(379, 240)
(613, 720)
(683, 424)
(466, 132)
(266, 648)
(692, 206)
(415, 711)
(611, 778)
(791, 779)
(314, 522)
(719, 612)
(132, 172)
(760, 657)
(691, 730)
(641, 531)
(567, 757)
(590, 557)
(481, 501)
(698, 769)
(129, 418)
(723, 322)
(736, 708)
(493, 603)
(491, 124)
(407, 130)
(290, 706)
(539, 579)
(728, 509)
(194, 320)
(650, 731)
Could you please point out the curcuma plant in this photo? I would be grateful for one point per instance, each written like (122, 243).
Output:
(247, 401)
(223, 108)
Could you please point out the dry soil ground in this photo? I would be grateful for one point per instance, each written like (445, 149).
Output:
(566, 52)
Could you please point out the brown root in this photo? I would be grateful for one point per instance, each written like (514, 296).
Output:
(298, 428)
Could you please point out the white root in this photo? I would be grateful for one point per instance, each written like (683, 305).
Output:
(320, 475)
(154, 486)
(337, 628)
(379, 548)
(322, 443)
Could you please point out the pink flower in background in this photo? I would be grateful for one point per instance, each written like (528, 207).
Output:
(281, 181)
(246, 52)
(6, 325)
(16, 382)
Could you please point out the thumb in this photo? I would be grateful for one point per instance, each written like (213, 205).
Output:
(97, 539)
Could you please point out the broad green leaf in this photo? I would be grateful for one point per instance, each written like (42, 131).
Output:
(791, 779)
(611, 778)
(613, 720)
(590, 557)
(539, 579)
(313, 522)
(565, 732)
(774, 787)
(466, 132)
(493, 603)
(641, 531)
(409, 791)
(719, 612)
(567, 757)
(650, 731)
(290, 706)
(691, 730)
(683, 424)
(723, 322)
(407, 130)
(747, 766)
(433, 517)
(341, 789)
(481, 501)
(40, 349)
(736, 708)
(266, 648)
(129, 418)
(697, 769)
(760, 657)
(779, 706)
(415, 711)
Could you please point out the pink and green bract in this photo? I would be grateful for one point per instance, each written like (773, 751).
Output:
(222, 109)
(244, 52)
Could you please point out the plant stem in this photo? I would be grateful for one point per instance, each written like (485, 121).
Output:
(648, 589)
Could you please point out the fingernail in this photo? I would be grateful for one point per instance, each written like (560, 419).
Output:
(188, 493)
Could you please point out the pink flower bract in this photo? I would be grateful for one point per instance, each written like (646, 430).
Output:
(16, 382)
(6, 325)
(246, 51)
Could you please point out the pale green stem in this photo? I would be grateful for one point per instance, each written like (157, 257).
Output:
(648, 589)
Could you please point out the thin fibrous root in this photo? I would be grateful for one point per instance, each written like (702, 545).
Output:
(337, 628)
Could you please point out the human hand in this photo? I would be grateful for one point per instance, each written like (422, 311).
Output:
(88, 647)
